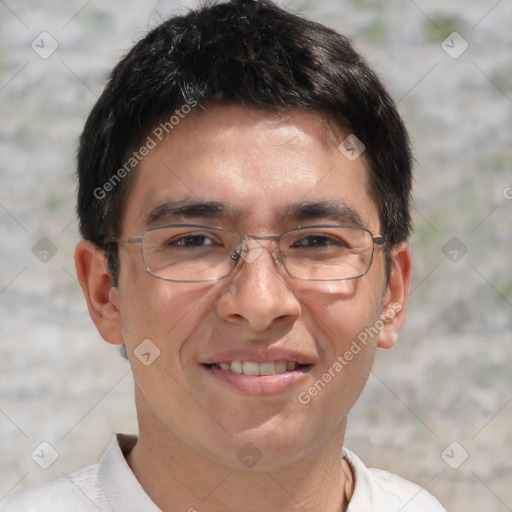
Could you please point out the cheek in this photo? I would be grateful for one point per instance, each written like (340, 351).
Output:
(341, 312)
(163, 311)
(343, 325)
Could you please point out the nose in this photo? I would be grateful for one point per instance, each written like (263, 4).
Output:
(258, 294)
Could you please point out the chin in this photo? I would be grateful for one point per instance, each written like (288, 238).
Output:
(268, 446)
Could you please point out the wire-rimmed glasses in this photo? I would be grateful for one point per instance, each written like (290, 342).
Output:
(198, 253)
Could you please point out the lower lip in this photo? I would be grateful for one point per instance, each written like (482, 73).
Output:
(260, 384)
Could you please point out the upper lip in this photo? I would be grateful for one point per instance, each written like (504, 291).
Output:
(260, 356)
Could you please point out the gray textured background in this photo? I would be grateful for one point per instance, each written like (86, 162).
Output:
(450, 377)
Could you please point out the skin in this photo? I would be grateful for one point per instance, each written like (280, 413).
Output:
(192, 425)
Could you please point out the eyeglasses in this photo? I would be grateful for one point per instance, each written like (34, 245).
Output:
(195, 253)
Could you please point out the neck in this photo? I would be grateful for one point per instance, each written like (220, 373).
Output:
(179, 478)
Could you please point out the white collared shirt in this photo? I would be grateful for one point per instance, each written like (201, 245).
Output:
(111, 486)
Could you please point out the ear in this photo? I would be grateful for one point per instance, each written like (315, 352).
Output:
(102, 299)
(395, 296)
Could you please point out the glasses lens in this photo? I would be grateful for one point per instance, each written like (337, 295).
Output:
(327, 253)
(189, 253)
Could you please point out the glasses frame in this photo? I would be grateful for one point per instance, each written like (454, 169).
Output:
(237, 255)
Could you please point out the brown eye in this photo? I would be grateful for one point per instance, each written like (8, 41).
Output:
(193, 240)
(318, 241)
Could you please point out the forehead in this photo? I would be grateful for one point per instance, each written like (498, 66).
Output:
(255, 165)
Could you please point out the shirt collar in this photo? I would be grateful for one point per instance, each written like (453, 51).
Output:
(364, 492)
(117, 480)
(125, 493)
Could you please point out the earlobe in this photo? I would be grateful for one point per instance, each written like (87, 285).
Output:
(395, 297)
(102, 299)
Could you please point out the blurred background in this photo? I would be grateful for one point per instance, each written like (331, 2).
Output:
(438, 408)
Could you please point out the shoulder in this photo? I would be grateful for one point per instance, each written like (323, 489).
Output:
(411, 497)
(108, 486)
(78, 492)
(381, 491)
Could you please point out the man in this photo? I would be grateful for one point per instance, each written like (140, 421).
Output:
(244, 185)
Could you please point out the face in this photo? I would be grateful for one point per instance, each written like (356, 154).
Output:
(269, 173)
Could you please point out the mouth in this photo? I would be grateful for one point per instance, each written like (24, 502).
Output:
(254, 368)
(258, 378)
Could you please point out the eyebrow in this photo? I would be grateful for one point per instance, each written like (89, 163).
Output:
(169, 210)
(336, 211)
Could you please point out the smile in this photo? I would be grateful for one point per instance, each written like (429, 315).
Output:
(254, 368)
(253, 378)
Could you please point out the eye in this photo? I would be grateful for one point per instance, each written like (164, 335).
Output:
(191, 240)
(318, 241)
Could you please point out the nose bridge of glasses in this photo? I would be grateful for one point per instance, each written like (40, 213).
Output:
(252, 247)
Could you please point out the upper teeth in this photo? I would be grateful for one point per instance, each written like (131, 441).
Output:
(252, 368)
